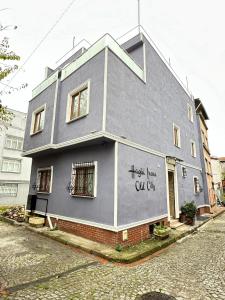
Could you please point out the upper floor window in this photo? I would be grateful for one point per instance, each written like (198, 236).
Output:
(13, 142)
(84, 179)
(193, 149)
(8, 189)
(78, 102)
(190, 113)
(44, 180)
(176, 136)
(38, 117)
(11, 165)
(196, 185)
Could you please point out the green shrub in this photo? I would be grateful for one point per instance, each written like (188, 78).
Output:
(189, 209)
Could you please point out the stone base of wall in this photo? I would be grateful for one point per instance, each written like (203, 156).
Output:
(203, 210)
(135, 235)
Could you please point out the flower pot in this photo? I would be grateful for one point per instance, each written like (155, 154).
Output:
(161, 234)
(182, 218)
(190, 221)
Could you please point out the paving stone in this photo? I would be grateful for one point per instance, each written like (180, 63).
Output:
(193, 269)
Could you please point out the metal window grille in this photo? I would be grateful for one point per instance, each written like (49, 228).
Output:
(83, 179)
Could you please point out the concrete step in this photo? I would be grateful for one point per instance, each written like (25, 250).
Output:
(174, 223)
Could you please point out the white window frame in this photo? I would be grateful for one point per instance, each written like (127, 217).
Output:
(194, 144)
(84, 85)
(190, 113)
(51, 180)
(198, 189)
(36, 111)
(179, 139)
(12, 160)
(9, 185)
(11, 138)
(95, 164)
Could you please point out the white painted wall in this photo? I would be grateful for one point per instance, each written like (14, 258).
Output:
(17, 128)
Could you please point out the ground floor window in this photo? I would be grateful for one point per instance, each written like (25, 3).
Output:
(196, 185)
(44, 180)
(84, 179)
(8, 189)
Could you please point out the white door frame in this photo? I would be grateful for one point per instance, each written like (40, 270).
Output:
(176, 201)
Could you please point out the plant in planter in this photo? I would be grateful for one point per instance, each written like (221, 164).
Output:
(161, 232)
(189, 210)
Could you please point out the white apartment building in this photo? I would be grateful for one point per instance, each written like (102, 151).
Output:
(14, 169)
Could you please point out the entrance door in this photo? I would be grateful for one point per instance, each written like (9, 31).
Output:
(171, 193)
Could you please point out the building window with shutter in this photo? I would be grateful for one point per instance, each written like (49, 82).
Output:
(196, 185)
(44, 180)
(84, 179)
(38, 119)
(176, 136)
(78, 103)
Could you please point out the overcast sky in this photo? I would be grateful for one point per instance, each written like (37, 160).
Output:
(189, 32)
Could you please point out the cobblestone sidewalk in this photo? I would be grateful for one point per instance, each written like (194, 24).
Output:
(191, 269)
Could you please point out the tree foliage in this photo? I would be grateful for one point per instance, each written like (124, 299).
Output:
(6, 68)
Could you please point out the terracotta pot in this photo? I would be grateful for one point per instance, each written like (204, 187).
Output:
(182, 218)
(190, 221)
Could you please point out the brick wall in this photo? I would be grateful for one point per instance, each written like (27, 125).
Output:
(203, 210)
(135, 234)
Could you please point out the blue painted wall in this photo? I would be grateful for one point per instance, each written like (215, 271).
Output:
(99, 209)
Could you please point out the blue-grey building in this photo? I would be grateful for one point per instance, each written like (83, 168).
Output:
(114, 140)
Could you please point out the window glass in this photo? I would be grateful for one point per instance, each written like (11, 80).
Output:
(9, 165)
(8, 189)
(79, 104)
(176, 135)
(196, 185)
(44, 180)
(38, 121)
(13, 142)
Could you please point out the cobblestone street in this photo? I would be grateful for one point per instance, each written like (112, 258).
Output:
(35, 267)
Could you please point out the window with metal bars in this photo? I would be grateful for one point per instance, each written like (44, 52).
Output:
(84, 179)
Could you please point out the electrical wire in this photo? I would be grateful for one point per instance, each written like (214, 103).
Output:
(43, 39)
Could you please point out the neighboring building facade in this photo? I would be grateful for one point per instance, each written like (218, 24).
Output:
(222, 164)
(204, 150)
(14, 169)
(114, 141)
(217, 177)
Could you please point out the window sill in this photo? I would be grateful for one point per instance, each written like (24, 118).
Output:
(11, 172)
(75, 119)
(177, 146)
(34, 133)
(47, 193)
(80, 196)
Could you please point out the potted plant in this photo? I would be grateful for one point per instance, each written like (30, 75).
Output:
(189, 209)
(161, 232)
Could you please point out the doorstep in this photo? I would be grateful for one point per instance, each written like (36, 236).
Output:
(127, 255)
